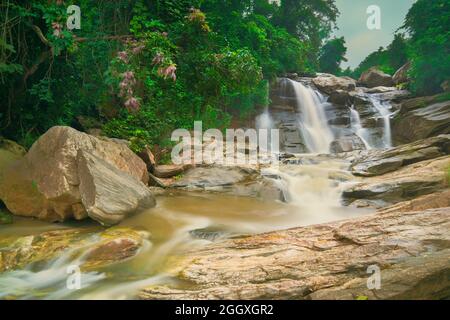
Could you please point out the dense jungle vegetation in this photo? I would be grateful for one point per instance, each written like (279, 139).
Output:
(424, 40)
(138, 69)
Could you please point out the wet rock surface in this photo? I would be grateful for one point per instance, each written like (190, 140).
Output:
(378, 162)
(421, 118)
(347, 143)
(411, 181)
(439, 199)
(239, 181)
(328, 261)
(341, 100)
(99, 247)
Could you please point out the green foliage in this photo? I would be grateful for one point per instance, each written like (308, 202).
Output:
(388, 60)
(212, 81)
(309, 20)
(143, 68)
(283, 39)
(428, 25)
(362, 298)
(427, 48)
(332, 55)
(50, 78)
(442, 97)
(142, 128)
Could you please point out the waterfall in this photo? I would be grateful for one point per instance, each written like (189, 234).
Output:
(383, 109)
(357, 127)
(313, 125)
(264, 120)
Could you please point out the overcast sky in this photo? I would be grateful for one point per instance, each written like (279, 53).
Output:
(352, 24)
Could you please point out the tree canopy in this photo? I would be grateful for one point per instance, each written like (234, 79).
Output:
(424, 40)
(137, 69)
(332, 54)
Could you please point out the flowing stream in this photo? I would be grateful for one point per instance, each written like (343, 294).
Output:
(184, 221)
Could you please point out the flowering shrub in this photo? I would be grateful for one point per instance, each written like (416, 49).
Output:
(164, 75)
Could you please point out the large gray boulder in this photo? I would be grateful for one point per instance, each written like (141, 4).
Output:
(330, 84)
(401, 75)
(107, 194)
(375, 78)
(421, 118)
(46, 183)
(347, 144)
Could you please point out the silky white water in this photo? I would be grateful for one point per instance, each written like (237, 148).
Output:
(358, 128)
(383, 109)
(313, 124)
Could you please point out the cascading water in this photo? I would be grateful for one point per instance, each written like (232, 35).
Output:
(383, 109)
(357, 127)
(264, 120)
(313, 124)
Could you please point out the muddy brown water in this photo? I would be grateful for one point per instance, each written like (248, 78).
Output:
(184, 221)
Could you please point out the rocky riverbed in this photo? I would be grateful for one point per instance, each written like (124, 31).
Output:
(308, 228)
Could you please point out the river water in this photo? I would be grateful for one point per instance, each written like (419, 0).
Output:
(184, 221)
(181, 222)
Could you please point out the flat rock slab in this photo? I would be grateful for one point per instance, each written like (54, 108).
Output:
(406, 183)
(204, 177)
(378, 162)
(328, 261)
(238, 181)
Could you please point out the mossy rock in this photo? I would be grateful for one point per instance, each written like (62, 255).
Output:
(101, 247)
(5, 217)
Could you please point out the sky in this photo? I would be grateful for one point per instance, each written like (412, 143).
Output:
(352, 24)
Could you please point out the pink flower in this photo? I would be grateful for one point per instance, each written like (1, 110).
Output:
(128, 78)
(168, 72)
(132, 104)
(158, 58)
(123, 55)
(57, 29)
(127, 83)
(138, 49)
